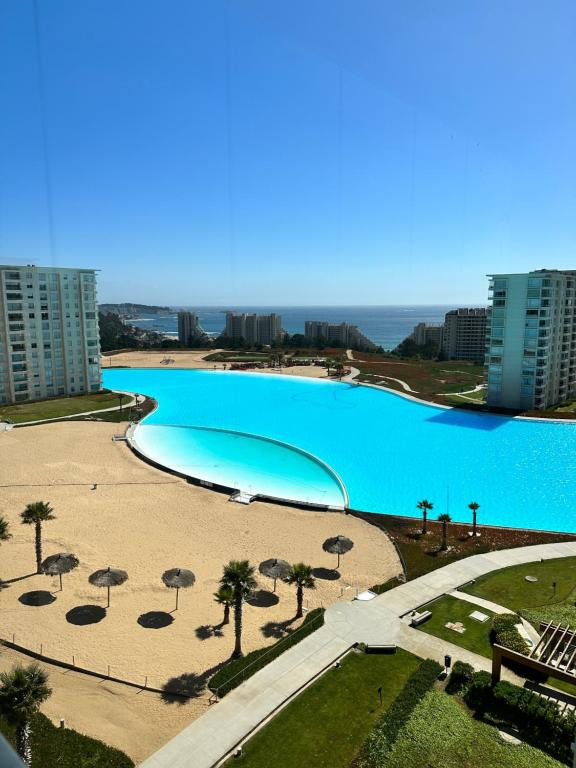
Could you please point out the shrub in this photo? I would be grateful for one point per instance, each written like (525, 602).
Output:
(379, 589)
(388, 726)
(539, 721)
(504, 633)
(460, 677)
(238, 670)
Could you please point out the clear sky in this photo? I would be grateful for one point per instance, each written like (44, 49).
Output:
(289, 151)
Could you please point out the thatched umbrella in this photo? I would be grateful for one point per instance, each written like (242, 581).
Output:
(274, 569)
(56, 565)
(176, 578)
(108, 577)
(338, 545)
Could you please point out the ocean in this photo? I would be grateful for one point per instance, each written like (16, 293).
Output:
(385, 326)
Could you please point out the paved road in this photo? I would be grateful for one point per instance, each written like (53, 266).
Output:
(205, 742)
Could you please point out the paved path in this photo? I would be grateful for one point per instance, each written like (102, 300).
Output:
(494, 607)
(205, 742)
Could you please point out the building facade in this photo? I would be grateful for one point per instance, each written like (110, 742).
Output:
(464, 335)
(188, 328)
(339, 333)
(49, 337)
(531, 339)
(425, 333)
(254, 329)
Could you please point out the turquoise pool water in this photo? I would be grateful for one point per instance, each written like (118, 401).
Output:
(388, 451)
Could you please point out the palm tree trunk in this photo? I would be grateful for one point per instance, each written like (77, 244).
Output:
(299, 601)
(23, 743)
(474, 524)
(38, 546)
(424, 522)
(226, 619)
(237, 653)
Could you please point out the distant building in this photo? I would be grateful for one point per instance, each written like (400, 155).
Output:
(425, 333)
(188, 328)
(254, 329)
(341, 334)
(49, 338)
(464, 334)
(531, 339)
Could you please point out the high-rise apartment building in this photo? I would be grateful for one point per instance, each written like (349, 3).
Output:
(49, 338)
(427, 333)
(254, 329)
(339, 333)
(464, 335)
(531, 339)
(188, 328)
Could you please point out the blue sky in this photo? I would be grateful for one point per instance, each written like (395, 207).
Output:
(289, 152)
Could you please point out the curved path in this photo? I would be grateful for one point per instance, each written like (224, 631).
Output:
(208, 740)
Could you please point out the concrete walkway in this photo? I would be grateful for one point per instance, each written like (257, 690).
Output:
(479, 601)
(208, 740)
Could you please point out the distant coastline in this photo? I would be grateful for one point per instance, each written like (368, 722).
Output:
(386, 326)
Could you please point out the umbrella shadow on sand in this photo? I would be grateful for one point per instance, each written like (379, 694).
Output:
(188, 685)
(83, 615)
(262, 599)
(155, 620)
(326, 574)
(37, 598)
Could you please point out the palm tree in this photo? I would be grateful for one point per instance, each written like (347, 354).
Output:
(474, 507)
(444, 519)
(36, 514)
(425, 506)
(301, 575)
(225, 597)
(22, 690)
(239, 577)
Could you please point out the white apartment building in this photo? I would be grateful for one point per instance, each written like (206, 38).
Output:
(254, 329)
(49, 338)
(423, 333)
(531, 339)
(341, 333)
(188, 327)
(464, 335)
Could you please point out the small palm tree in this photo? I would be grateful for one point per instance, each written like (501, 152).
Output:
(301, 575)
(239, 577)
(425, 506)
(225, 597)
(22, 690)
(444, 519)
(35, 514)
(474, 507)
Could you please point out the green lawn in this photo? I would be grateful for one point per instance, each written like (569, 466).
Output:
(65, 748)
(60, 406)
(326, 725)
(442, 734)
(508, 587)
(477, 635)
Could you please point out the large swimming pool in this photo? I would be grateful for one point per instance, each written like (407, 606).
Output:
(341, 444)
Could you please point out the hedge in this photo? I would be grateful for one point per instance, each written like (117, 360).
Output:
(504, 633)
(389, 725)
(460, 677)
(66, 748)
(539, 721)
(392, 583)
(238, 670)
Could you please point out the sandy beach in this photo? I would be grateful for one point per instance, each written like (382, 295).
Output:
(192, 359)
(145, 521)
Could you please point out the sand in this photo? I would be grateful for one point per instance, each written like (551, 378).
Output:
(145, 521)
(153, 359)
